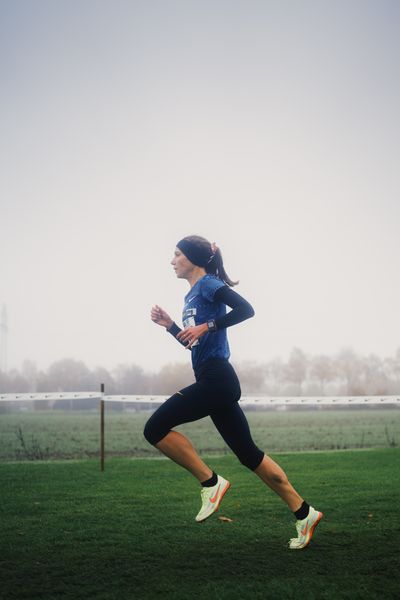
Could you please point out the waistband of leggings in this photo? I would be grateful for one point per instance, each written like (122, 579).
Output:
(210, 363)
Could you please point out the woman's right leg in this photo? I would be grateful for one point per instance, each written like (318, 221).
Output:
(183, 407)
(180, 449)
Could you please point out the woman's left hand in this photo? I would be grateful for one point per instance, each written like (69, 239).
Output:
(189, 335)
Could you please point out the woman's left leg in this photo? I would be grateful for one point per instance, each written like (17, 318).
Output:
(234, 428)
(275, 478)
(232, 424)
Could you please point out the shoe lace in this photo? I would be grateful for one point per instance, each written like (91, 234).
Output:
(204, 495)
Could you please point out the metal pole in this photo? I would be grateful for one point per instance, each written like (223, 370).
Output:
(102, 428)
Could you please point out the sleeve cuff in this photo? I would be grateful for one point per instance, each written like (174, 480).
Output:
(174, 329)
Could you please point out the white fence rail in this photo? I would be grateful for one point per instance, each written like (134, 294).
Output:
(245, 400)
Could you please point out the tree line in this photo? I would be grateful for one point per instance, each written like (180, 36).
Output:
(346, 373)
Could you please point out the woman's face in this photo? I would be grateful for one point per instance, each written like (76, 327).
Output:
(182, 265)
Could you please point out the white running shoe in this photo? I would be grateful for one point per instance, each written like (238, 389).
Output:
(211, 498)
(305, 529)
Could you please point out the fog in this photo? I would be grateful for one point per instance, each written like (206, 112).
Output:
(270, 128)
(346, 373)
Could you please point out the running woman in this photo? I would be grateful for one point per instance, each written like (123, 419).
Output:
(216, 392)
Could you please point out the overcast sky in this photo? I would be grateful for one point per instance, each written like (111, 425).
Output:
(269, 127)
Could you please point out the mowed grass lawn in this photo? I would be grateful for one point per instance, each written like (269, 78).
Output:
(70, 531)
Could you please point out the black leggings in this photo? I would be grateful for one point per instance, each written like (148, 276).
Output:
(216, 394)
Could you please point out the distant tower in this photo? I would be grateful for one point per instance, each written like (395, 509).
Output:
(3, 339)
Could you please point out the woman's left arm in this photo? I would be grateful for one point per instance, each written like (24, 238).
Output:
(241, 309)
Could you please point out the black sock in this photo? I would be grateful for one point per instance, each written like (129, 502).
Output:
(210, 482)
(303, 511)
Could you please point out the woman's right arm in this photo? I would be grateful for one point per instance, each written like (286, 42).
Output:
(159, 316)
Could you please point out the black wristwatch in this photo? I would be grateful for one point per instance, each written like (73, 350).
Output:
(211, 325)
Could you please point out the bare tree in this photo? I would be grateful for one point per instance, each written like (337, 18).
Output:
(252, 377)
(30, 373)
(323, 369)
(131, 379)
(391, 368)
(172, 378)
(296, 368)
(69, 375)
(349, 369)
(275, 376)
(375, 379)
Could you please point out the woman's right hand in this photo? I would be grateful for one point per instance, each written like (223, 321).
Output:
(159, 316)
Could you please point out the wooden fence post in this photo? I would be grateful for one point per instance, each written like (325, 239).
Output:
(102, 428)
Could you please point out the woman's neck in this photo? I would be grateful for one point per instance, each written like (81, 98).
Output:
(195, 275)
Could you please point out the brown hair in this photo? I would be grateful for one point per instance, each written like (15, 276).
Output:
(216, 265)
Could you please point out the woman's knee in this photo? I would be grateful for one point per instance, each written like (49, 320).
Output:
(251, 459)
(153, 431)
(148, 431)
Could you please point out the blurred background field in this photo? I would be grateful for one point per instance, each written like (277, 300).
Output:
(57, 434)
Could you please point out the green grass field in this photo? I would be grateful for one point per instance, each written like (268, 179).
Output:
(56, 434)
(72, 532)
